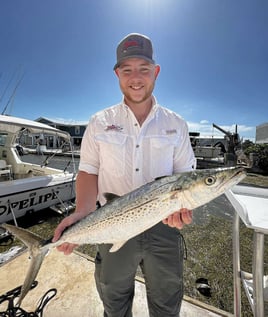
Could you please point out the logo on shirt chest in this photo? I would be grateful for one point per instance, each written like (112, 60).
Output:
(113, 127)
(171, 131)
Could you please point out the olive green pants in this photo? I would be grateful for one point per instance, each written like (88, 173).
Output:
(159, 252)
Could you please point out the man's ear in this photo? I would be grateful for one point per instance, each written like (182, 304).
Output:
(116, 72)
(157, 71)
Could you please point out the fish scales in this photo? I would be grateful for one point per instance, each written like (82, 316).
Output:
(125, 217)
(120, 215)
(121, 211)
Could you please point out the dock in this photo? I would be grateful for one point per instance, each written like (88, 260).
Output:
(76, 295)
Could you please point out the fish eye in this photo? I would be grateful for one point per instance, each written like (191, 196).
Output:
(210, 180)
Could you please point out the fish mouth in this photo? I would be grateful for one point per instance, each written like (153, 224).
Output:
(240, 172)
(235, 178)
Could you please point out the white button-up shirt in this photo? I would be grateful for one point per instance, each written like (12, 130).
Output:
(126, 155)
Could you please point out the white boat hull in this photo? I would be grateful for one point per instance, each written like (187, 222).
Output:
(29, 195)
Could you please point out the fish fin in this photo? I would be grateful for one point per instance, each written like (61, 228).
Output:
(27, 237)
(37, 254)
(160, 177)
(110, 196)
(117, 246)
(35, 264)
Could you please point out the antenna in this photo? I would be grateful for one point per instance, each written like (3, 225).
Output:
(13, 94)
(8, 84)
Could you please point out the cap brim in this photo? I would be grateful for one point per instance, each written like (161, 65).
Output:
(151, 61)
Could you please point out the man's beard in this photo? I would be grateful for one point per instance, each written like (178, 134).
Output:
(141, 99)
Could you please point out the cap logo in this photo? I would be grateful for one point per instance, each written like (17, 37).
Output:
(130, 43)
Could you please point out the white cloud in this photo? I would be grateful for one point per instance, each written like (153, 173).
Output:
(204, 121)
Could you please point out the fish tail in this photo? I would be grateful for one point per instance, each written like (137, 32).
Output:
(37, 253)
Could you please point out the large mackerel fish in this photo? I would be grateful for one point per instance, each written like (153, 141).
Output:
(122, 218)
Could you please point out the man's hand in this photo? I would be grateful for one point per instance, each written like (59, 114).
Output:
(66, 248)
(179, 218)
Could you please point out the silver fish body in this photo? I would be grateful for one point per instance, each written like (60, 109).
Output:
(122, 218)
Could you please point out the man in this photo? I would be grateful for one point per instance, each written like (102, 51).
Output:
(124, 147)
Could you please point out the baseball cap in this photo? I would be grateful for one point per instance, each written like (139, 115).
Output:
(134, 45)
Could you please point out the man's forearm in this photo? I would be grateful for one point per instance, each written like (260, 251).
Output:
(86, 192)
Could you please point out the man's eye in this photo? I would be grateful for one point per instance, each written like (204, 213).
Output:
(144, 70)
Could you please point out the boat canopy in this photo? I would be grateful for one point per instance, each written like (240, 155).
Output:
(14, 125)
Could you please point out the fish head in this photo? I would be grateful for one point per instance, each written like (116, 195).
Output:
(199, 187)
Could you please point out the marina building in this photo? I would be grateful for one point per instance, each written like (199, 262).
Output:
(262, 133)
(75, 128)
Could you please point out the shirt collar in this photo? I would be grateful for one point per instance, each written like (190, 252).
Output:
(153, 110)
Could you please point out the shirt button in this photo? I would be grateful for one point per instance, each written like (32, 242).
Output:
(137, 169)
(137, 146)
(136, 124)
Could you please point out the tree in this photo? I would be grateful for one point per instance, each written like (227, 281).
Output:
(260, 151)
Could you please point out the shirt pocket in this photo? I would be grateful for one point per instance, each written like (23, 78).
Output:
(112, 149)
(162, 155)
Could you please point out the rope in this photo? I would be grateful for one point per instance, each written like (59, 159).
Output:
(14, 311)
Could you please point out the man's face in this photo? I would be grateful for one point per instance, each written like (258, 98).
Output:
(137, 78)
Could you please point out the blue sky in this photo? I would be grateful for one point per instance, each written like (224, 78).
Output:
(213, 56)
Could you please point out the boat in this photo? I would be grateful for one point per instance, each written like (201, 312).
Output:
(67, 285)
(28, 187)
(212, 152)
